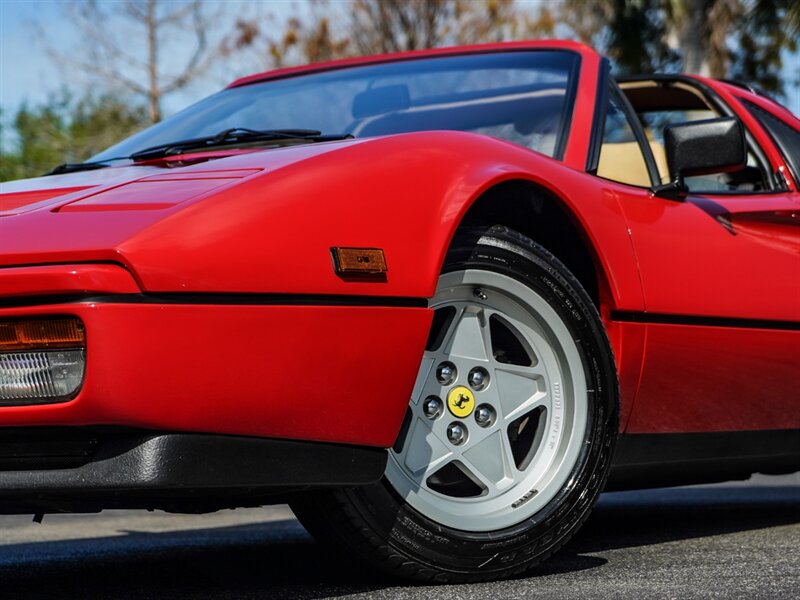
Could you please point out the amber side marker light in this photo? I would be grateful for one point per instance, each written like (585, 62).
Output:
(359, 261)
(41, 360)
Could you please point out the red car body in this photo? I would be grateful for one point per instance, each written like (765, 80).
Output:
(211, 305)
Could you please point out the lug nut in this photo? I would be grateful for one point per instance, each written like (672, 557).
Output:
(433, 407)
(485, 415)
(446, 373)
(457, 433)
(478, 378)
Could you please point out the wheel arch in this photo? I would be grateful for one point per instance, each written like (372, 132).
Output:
(542, 214)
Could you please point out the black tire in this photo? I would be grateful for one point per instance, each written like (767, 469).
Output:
(385, 531)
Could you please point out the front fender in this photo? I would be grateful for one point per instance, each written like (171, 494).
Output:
(405, 194)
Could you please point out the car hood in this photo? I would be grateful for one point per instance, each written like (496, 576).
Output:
(89, 215)
(25, 195)
(265, 222)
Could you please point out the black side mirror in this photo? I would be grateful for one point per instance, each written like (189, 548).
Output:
(701, 148)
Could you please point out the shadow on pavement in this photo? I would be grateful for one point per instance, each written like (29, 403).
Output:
(279, 560)
(640, 518)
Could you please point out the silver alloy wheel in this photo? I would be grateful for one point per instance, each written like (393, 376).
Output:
(515, 361)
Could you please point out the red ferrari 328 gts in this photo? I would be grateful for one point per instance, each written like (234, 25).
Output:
(438, 301)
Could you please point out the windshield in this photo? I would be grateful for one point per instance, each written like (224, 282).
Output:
(524, 97)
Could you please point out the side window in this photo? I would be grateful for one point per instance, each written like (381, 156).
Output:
(657, 106)
(753, 178)
(786, 138)
(654, 122)
(621, 157)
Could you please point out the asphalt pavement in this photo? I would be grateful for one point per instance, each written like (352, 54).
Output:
(732, 540)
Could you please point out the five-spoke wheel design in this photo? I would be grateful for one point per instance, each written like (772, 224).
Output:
(498, 413)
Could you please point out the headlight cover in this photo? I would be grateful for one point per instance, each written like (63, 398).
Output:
(41, 360)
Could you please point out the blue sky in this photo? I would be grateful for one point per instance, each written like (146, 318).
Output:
(27, 73)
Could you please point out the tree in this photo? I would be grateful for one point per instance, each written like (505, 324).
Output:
(771, 27)
(65, 129)
(706, 31)
(125, 43)
(379, 26)
(632, 33)
(743, 39)
(719, 38)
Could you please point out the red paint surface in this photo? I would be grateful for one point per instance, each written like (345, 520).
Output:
(695, 260)
(718, 379)
(628, 342)
(146, 195)
(314, 373)
(12, 201)
(66, 279)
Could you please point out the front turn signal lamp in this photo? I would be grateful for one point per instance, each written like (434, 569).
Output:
(41, 360)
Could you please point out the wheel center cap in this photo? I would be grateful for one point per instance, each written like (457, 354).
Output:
(461, 401)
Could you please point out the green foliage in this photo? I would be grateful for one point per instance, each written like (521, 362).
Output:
(736, 39)
(64, 130)
(636, 35)
(770, 28)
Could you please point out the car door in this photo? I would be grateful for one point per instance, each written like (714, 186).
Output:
(720, 272)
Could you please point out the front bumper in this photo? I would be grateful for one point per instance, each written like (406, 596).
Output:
(89, 469)
(328, 369)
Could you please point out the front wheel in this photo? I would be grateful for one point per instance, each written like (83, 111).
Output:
(510, 428)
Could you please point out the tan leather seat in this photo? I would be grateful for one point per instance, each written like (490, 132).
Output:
(623, 162)
(661, 160)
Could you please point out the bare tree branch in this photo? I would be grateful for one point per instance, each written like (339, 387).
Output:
(110, 54)
(200, 59)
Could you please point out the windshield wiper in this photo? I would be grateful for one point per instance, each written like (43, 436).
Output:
(234, 135)
(85, 166)
(227, 137)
